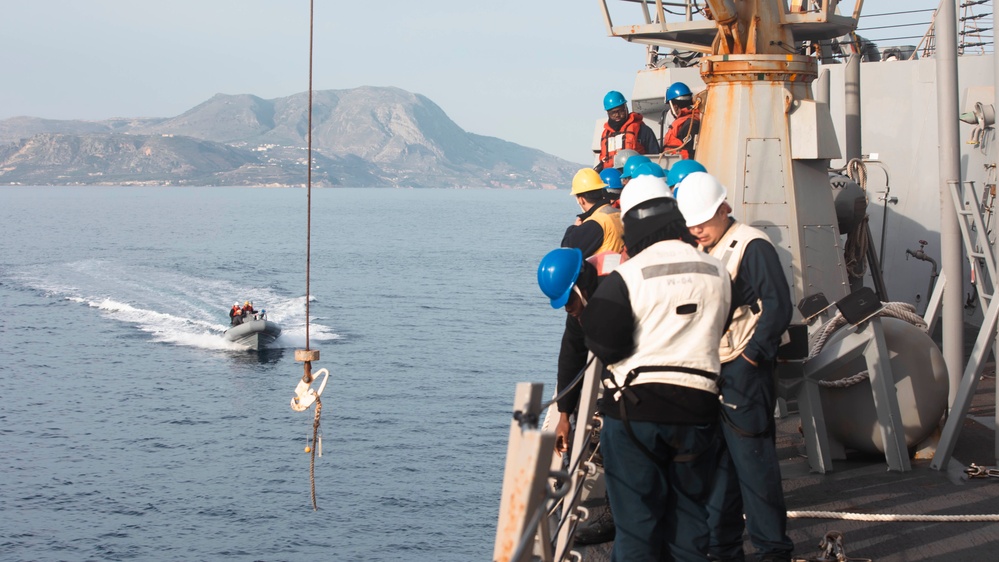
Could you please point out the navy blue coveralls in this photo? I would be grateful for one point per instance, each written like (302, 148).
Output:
(675, 424)
(748, 477)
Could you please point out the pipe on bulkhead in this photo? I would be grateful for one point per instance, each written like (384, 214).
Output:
(920, 254)
(951, 252)
(822, 87)
(851, 84)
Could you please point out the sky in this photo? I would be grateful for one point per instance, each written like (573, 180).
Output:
(533, 72)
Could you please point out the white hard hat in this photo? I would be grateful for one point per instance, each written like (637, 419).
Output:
(642, 189)
(699, 195)
(235, 304)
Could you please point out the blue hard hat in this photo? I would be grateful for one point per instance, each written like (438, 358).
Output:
(631, 164)
(613, 99)
(677, 89)
(557, 273)
(648, 169)
(612, 178)
(681, 169)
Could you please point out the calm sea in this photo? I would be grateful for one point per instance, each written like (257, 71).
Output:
(131, 430)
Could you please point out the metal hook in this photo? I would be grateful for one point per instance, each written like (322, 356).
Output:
(305, 395)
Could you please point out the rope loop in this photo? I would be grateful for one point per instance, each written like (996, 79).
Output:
(900, 310)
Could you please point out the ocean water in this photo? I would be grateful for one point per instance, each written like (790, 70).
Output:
(131, 430)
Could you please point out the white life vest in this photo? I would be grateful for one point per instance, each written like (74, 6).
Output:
(680, 298)
(730, 250)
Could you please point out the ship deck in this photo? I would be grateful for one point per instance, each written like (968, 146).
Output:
(864, 485)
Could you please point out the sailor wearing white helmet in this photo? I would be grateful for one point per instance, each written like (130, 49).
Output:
(748, 478)
(655, 322)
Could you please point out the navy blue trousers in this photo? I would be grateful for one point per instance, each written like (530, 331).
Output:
(659, 508)
(748, 476)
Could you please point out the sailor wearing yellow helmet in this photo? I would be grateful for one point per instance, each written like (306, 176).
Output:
(598, 227)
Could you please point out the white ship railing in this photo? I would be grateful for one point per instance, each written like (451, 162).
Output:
(535, 494)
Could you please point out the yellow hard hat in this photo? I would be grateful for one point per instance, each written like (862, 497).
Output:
(247, 303)
(587, 180)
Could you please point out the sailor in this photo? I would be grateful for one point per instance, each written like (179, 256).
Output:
(568, 281)
(679, 170)
(598, 228)
(248, 310)
(655, 322)
(623, 130)
(682, 132)
(622, 156)
(648, 169)
(748, 480)
(629, 167)
(235, 315)
(612, 177)
(598, 235)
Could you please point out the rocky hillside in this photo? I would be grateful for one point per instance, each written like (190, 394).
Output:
(364, 137)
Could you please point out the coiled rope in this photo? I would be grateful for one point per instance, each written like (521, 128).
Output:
(900, 310)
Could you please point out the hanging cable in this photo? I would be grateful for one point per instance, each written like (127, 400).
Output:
(305, 396)
(308, 187)
(308, 263)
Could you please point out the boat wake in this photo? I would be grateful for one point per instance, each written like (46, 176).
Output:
(171, 307)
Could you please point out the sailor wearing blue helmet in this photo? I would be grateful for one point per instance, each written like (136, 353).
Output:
(612, 177)
(680, 138)
(629, 167)
(568, 281)
(649, 169)
(623, 130)
(557, 274)
(680, 170)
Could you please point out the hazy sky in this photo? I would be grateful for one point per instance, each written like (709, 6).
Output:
(530, 72)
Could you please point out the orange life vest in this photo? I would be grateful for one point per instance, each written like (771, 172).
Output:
(627, 137)
(605, 262)
(673, 143)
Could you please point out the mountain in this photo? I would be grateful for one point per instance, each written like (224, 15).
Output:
(363, 137)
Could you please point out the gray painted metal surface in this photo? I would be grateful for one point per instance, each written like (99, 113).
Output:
(950, 170)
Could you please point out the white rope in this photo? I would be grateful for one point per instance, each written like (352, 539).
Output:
(900, 310)
(856, 170)
(888, 516)
(855, 251)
